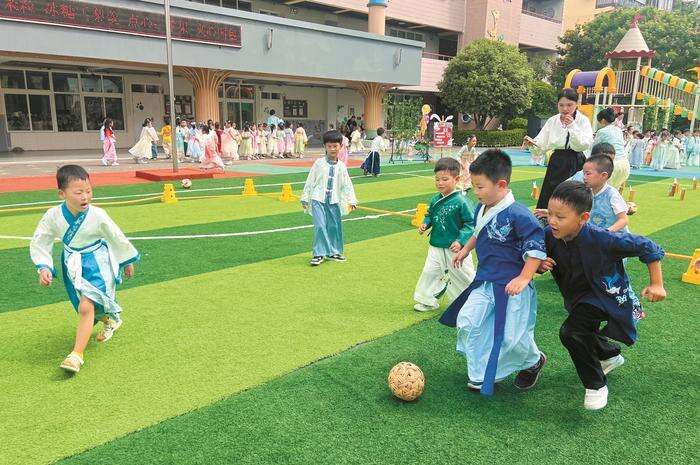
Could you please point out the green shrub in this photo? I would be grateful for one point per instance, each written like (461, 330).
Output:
(517, 123)
(507, 138)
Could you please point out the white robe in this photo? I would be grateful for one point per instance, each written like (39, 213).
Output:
(94, 252)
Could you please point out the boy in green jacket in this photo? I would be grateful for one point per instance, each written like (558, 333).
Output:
(451, 220)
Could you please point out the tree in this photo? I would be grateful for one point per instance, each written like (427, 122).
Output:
(673, 35)
(487, 79)
(402, 118)
(544, 99)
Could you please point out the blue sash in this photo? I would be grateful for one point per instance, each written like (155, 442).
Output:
(74, 223)
(449, 318)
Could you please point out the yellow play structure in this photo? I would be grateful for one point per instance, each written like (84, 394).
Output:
(635, 89)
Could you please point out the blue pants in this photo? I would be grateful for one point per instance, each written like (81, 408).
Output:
(328, 230)
(371, 163)
(154, 151)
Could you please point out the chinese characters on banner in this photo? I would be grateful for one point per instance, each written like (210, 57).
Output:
(442, 134)
(106, 18)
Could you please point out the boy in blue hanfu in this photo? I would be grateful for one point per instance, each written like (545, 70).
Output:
(587, 264)
(495, 316)
(328, 194)
(95, 251)
(450, 221)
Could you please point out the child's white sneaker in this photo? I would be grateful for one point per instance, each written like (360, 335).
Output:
(109, 326)
(72, 363)
(596, 399)
(424, 308)
(611, 363)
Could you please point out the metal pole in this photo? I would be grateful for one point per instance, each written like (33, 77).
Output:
(171, 86)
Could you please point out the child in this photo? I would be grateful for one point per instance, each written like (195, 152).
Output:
(694, 154)
(496, 315)
(586, 263)
(612, 134)
(142, 150)
(356, 141)
(211, 159)
(649, 148)
(194, 149)
(609, 209)
(263, 135)
(637, 150)
(153, 134)
(166, 133)
(109, 144)
(371, 163)
(300, 141)
(181, 136)
(327, 187)
(272, 141)
(673, 160)
(254, 141)
(288, 140)
(467, 154)
(343, 155)
(246, 143)
(661, 151)
(95, 252)
(281, 144)
(229, 143)
(451, 222)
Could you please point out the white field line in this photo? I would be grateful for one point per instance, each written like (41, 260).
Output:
(233, 234)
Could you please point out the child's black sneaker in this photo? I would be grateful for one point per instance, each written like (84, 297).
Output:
(528, 378)
(316, 261)
(336, 257)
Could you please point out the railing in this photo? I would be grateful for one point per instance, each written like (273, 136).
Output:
(625, 81)
(437, 56)
(541, 16)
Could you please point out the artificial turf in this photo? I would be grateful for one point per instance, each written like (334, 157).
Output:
(207, 318)
(340, 410)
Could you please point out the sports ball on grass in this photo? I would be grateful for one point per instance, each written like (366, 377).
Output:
(406, 381)
(186, 183)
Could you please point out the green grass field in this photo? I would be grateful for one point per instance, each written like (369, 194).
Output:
(235, 351)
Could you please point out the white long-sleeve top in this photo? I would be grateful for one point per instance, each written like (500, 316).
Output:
(97, 225)
(553, 135)
(316, 185)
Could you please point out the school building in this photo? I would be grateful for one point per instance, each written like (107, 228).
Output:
(65, 65)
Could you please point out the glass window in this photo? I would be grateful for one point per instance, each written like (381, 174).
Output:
(232, 91)
(245, 6)
(40, 106)
(152, 89)
(113, 84)
(12, 79)
(248, 92)
(94, 113)
(220, 91)
(229, 4)
(38, 80)
(17, 112)
(402, 34)
(68, 112)
(115, 110)
(65, 82)
(91, 83)
(138, 88)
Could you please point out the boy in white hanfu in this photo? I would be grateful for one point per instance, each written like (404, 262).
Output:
(328, 194)
(95, 251)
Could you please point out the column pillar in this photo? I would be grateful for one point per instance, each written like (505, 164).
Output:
(376, 20)
(205, 83)
(373, 94)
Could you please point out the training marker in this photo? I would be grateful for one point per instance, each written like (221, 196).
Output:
(168, 194)
(249, 187)
(682, 194)
(695, 183)
(287, 195)
(692, 276)
(421, 211)
(674, 187)
(630, 197)
(535, 191)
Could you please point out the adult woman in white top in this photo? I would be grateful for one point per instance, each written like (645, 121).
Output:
(569, 134)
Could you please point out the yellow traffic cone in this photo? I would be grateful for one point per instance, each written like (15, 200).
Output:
(249, 187)
(168, 194)
(287, 195)
(692, 276)
(421, 211)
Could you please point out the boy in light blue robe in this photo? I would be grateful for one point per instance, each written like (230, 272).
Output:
(95, 251)
(495, 316)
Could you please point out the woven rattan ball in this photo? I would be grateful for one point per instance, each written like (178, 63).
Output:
(406, 381)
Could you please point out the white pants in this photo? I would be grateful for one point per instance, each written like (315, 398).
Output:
(431, 280)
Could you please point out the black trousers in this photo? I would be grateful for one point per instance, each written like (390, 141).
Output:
(563, 164)
(581, 336)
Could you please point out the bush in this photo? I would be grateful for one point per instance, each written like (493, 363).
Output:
(507, 138)
(517, 123)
